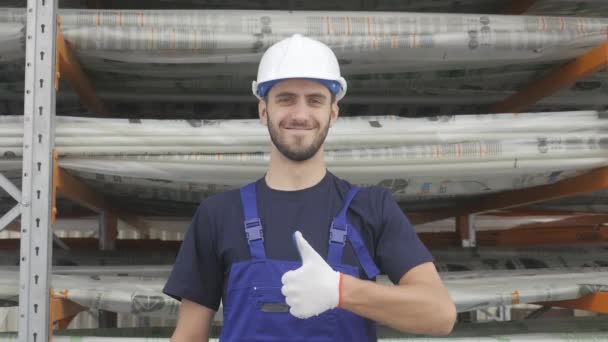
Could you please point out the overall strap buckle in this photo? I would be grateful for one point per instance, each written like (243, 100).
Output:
(254, 230)
(253, 226)
(338, 233)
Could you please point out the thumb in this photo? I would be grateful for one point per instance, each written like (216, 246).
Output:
(307, 253)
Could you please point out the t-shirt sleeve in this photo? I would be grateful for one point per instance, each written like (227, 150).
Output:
(197, 274)
(399, 248)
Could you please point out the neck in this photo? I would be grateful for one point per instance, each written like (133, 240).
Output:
(288, 175)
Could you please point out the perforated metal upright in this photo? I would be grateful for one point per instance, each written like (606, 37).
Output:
(38, 143)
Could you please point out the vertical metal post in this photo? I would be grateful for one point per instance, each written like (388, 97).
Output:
(38, 143)
(107, 231)
(504, 313)
(465, 227)
(472, 232)
(107, 242)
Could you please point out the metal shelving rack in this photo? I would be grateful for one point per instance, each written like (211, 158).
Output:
(39, 140)
(36, 201)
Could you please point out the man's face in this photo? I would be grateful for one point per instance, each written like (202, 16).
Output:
(298, 114)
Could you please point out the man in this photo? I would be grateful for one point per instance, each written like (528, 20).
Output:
(261, 249)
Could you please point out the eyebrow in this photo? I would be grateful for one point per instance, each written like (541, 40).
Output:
(285, 94)
(288, 94)
(323, 96)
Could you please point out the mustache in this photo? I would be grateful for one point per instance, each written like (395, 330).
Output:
(299, 124)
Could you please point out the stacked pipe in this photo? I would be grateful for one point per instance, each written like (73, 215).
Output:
(461, 60)
(435, 156)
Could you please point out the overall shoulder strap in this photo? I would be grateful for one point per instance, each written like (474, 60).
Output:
(340, 230)
(252, 223)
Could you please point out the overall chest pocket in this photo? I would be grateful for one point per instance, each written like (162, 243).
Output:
(275, 323)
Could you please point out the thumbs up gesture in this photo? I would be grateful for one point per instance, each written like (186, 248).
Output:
(314, 287)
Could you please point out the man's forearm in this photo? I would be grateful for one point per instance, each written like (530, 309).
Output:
(193, 323)
(409, 308)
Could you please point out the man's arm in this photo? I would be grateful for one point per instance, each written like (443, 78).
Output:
(193, 323)
(419, 304)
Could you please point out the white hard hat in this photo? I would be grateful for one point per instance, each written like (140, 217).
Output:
(299, 57)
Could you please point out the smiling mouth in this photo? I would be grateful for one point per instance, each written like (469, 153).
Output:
(298, 128)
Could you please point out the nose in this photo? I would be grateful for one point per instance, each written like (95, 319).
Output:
(300, 110)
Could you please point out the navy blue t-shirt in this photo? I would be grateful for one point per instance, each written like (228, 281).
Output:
(216, 237)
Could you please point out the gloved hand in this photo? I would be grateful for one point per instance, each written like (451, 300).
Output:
(314, 287)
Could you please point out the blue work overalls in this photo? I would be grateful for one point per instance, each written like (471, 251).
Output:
(255, 308)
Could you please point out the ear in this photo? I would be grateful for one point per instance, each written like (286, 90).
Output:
(262, 112)
(335, 110)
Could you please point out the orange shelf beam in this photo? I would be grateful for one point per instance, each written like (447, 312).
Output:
(549, 236)
(518, 212)
(589, 182)
(68, 66)
(596, 302)
(555, 80)
(579, 220)
(518, 6)
(75, 190)
(92, 244)
(521, 237)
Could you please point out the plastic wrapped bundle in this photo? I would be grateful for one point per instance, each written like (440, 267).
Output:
(430, 157)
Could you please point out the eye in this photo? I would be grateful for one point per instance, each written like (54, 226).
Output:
(316, 101)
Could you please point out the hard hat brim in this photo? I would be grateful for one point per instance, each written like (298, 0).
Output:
(255, 86)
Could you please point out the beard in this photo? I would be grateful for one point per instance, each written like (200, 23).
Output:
(298, 151)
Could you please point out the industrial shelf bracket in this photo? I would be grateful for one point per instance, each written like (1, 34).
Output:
(75, 190)
(559, 235)
(63, 311)
(595, 302)
(591, 181)
(555, 80)
(67, 65)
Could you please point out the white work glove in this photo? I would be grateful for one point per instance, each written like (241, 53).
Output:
(314, 287)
